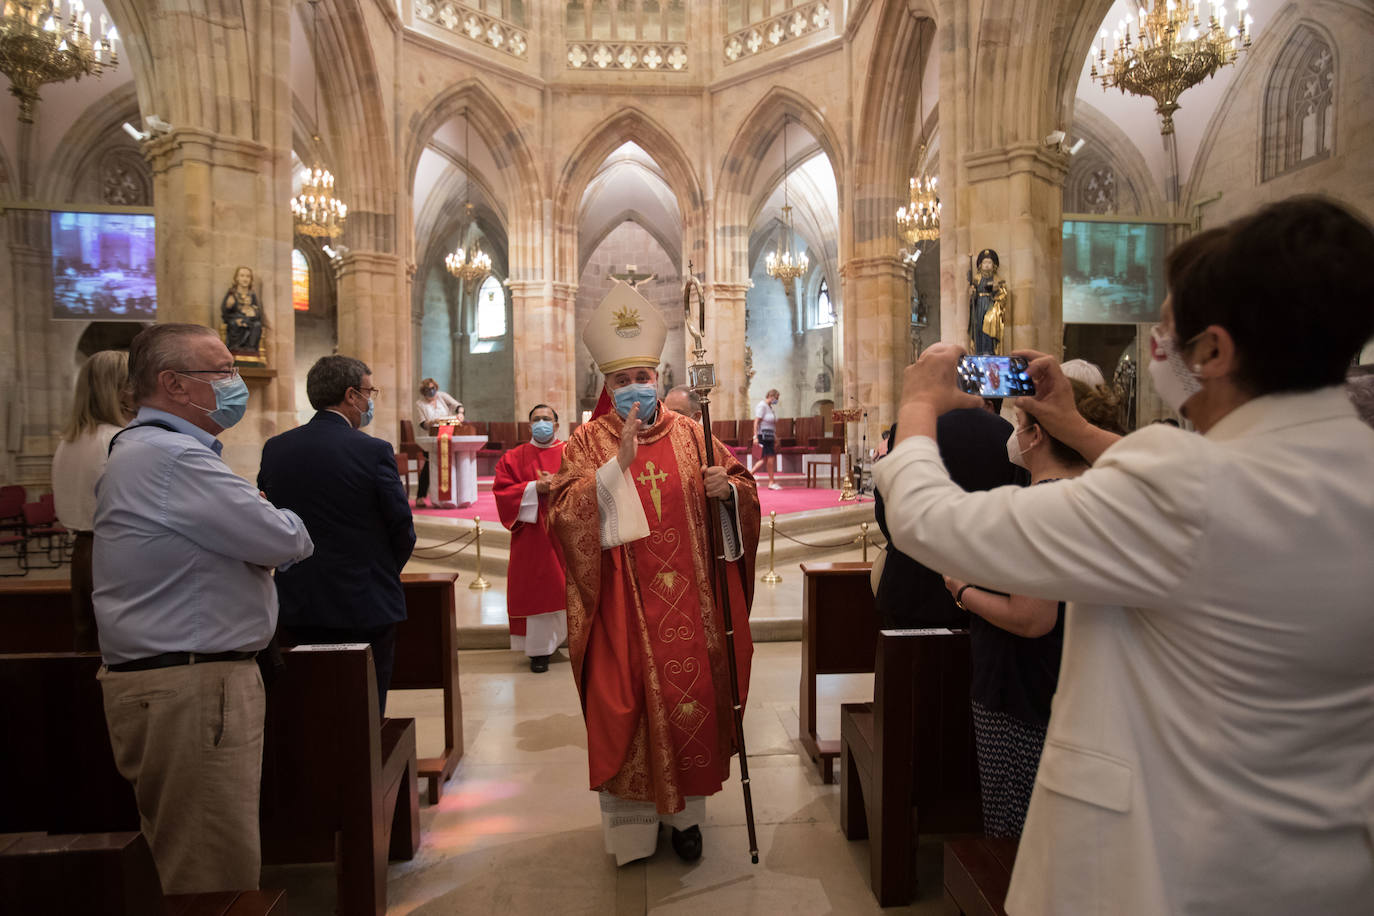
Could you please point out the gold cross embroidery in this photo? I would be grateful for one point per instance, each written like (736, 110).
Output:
(655, 493)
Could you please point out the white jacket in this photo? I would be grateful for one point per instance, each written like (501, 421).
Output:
(1211, 747)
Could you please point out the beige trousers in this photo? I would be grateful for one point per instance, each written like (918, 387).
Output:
(189, 740)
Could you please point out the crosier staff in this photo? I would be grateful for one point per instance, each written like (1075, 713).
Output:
(701, 378)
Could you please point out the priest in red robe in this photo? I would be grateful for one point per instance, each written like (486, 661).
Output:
(629, 509)
(536, 595)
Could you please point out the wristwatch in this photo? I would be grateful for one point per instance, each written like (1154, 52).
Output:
(959, 597)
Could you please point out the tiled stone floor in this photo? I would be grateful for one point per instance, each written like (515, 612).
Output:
(518, 832)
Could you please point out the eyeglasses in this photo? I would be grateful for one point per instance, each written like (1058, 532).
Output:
(371, 392)
(216, 375)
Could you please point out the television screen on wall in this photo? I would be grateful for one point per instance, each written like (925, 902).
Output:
(102, 267)
(1113, 272)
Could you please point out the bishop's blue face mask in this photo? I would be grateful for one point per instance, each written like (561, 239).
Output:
(645, 394)
(542, 431)
(231, 401)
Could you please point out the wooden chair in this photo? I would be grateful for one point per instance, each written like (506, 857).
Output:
(403, 469)
(831, 464)
(839, 635)
(427, 657)
(12, 499)
(409, 447)
(111, 874)
(978, 874)
(522, 432)
(908, 758)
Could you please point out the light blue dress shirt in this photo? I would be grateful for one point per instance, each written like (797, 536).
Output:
(183, 547)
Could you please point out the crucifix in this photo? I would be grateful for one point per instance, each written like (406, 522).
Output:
(652, 479)
(633, 277)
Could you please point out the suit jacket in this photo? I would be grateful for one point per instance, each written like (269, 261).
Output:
(1211, 745)
(343, 484)
(973, 446)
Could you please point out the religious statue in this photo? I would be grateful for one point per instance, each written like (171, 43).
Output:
(669, 380)
(593, 385)
(988, 302)
(242, 316)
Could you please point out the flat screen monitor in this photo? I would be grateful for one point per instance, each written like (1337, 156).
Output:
(102, 267)
(1113, 272)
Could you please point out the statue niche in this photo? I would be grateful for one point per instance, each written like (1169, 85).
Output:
(241, 312)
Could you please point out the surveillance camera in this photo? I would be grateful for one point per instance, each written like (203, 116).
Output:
(1078, 145)
(1054, 138)
(157, 125)
(138, 135)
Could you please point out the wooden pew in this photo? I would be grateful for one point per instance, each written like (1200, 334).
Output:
(111, 874)
(839, 635)
(427, 657)
(908, 757)
(36, 616)
(337, 784)
(978, 874)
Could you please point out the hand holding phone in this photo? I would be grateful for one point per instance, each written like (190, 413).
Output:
(995, 376)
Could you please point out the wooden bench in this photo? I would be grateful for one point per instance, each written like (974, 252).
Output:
(338, 785)
(111, 874)
(908, 757)
(36, 616)
(427, 657)
(978, 874)
(839, 635)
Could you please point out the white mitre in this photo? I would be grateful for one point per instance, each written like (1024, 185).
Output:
(625, 330)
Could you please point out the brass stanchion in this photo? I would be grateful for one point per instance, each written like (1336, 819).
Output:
(772, 577)
(478, 582)
(863, 528)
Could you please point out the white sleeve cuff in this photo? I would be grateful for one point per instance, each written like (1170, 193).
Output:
(529, 504)
(619, 511)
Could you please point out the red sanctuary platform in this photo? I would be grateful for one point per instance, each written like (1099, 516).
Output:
(791, 498)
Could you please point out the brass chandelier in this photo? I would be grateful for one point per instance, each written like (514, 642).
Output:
(781, 263)
(39, 44)
(1169, 49)
(316, 210)
(919, 220)
(469, 265)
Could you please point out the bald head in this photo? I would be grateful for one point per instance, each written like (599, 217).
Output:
(683, 400)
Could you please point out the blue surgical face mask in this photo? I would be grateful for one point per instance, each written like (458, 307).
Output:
(366, 418)
(645, 394)
(231, 401)
(542, 431)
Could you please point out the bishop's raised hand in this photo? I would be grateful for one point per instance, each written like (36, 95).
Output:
(629, 438)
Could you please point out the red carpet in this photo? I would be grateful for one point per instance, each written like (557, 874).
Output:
(788, 499)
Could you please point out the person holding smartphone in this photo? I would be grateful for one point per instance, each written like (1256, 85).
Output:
(1016, 640)
(1211, 747)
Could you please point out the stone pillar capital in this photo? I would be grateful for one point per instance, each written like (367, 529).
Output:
(192, 144)
(1000, 163)
(881, 266)
(367, 262)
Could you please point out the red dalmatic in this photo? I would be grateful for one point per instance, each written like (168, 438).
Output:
(535, 583)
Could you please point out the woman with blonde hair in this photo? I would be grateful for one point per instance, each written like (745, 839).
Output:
(98, 412)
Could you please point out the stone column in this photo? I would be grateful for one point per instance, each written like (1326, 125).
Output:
(545, 341)
(374, 326)
(1013, 202)
(725, 346)
(876, 328)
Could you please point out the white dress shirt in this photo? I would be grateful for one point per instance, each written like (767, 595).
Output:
(1211, 747)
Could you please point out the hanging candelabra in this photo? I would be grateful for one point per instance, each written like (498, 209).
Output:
(468, 264)
(782, 263)
(1169, 49)
(39, 43)
(919, 220)
(317, 212)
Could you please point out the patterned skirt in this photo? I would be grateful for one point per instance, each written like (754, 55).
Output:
(1008, 756)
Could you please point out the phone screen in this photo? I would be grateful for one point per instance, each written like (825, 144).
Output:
(995, 376)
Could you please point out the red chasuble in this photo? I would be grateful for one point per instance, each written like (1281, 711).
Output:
(644, 625)
(534, 582)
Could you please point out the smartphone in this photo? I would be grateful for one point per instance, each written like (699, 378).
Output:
(995, 376)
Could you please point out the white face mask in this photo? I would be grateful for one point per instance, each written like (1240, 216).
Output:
(1172, 378)
(1014, 454)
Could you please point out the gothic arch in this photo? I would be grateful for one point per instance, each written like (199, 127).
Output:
(627, 125)
(630, 215)
(95, 133)
(1108, 150)
(741, 173)
(1299, 105)
(514, 162)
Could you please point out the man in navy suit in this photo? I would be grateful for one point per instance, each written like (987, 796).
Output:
(343, 483)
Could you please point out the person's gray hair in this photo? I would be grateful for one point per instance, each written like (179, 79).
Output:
(157, 349)
(1361, 391)
(330, 378)
(693, 399)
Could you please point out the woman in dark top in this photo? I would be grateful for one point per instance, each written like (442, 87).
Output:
(1016, 641)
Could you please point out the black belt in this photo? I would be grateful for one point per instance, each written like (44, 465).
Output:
(172, 659)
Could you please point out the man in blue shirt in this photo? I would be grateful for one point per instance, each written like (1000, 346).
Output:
(343, 483)
(183, 555)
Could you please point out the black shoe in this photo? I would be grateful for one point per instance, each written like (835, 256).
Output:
(539, 663)
(687, 843)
